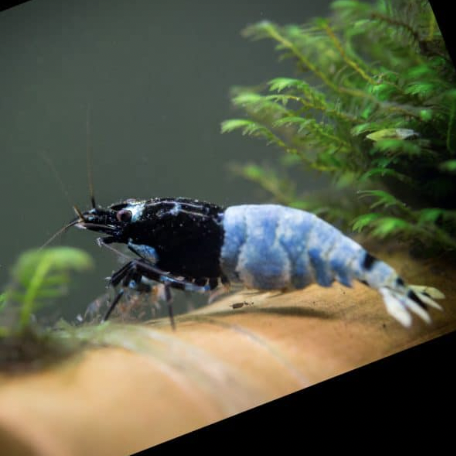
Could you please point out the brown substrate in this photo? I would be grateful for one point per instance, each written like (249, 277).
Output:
(158, 384)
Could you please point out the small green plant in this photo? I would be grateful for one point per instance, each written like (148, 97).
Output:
(38, 277)
(373, 105)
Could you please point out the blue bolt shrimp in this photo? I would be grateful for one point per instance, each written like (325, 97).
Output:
(196, 246)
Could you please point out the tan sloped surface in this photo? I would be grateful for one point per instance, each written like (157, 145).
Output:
(158, 384)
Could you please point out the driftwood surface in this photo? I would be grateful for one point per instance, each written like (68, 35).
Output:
(155, 384)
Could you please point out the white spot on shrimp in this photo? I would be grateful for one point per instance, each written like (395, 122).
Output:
(176, 209)
(136, 211)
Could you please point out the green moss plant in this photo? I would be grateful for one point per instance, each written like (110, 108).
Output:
(372, 104)
(38, 278)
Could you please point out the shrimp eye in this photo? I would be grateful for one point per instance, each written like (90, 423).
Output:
(124, 215)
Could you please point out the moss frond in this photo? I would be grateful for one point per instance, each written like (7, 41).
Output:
(372, 103)
(38, 277)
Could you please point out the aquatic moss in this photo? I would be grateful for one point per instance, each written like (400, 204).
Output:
(38, 278)
(372, 104)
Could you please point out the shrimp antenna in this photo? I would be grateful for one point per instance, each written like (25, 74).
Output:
(61, 231)
(89, 160)
(57, 176)
(78, 213)
(65, 228)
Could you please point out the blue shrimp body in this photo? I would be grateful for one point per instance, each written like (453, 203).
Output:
(272, 247)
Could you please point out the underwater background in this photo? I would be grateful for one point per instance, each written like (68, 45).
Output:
(367, 97)
(156, 76)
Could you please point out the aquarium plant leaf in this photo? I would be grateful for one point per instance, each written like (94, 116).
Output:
(393, 133)
(41, 274)
(386, 225)
(364, 220)
(449, 166)
(384, 199)
(371, 101)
